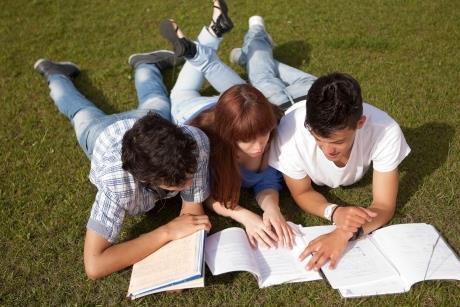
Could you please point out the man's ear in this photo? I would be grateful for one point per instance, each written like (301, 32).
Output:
(361, 121)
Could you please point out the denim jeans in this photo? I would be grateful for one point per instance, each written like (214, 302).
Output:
(186, 100)
(89, 121)
(279, 82)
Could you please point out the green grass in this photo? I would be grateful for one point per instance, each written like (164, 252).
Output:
(404, 53)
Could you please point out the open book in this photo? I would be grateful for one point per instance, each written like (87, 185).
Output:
(176, 265)
(229, 250)
(391, 260)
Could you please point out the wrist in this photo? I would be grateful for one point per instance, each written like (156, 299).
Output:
(329, 210)
(345, 235)
(333, 214)
(267, 207)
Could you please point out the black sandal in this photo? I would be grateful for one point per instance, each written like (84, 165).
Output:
(223, 24)
(182, 46)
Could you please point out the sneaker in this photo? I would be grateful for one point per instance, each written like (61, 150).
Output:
(223, 23)
(183, 47)
(47, 68)
(163, 59)
(259, 21)
(238, 57)
(256, 21)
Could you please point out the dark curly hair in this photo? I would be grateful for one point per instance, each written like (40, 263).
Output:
(155, 151)
(334, 102)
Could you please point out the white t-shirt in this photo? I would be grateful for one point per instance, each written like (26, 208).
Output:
(294, 151)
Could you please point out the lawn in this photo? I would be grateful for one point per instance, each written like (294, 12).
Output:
(404, 53)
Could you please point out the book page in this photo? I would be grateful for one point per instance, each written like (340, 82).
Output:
(391, 285)
(361, 263)
(229, 250)
(418, 252)
(280, 265)
(178, 260)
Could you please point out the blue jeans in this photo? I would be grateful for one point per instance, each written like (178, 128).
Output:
(279, 82)
(89, 121)
(186, 100)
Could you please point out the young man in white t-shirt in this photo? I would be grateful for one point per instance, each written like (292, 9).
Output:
(332, 144)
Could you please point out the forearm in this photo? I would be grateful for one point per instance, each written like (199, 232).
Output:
(116, 257)
(384, 215)
(312, 202)
(238, 213)
(268, 199)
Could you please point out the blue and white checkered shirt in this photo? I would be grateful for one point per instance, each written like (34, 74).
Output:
(118, 193)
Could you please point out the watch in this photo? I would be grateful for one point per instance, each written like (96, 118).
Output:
(329, 210)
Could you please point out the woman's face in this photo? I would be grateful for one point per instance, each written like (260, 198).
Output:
(256, 147)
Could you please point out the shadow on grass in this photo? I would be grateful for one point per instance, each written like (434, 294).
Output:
(93, 94)
(293, 53)
(430, 147)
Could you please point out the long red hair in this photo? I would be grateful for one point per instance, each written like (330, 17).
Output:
(241, 114)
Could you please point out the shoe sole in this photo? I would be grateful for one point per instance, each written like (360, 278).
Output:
(146, 54)
(39, 61)
(168, 31)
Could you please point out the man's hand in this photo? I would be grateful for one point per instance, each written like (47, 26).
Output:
(326, 247)
(185, 225)
(258, 233)
(273, 219)
(349, 219)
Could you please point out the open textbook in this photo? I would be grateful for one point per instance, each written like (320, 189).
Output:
(177, 265)
(229, 250)
(388, 261)
(392, 259)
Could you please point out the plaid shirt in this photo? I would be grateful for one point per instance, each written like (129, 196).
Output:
(119, 194)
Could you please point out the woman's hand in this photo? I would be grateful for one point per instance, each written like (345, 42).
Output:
(274, 219)
(258, 233)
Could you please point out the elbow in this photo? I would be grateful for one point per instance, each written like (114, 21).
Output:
(94, 271)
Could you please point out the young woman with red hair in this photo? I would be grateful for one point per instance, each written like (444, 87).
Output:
(239, 123)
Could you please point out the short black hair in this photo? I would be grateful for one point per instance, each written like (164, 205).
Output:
(334, 102)
(155, 152)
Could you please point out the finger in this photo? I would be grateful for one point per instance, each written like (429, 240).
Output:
(294, 230)
(266, 221)
(321, 261)
(333, 263)
(305, 253)
(252, 241)
(349, 229)
(361, 212)
(260, 241)
(356, 220)
(279, 234)
(313, 260)
(267, 240)
(287, 236)
(370, 212)
(270, 232)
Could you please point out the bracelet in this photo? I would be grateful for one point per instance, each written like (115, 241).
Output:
(332, 214)
(357, 234)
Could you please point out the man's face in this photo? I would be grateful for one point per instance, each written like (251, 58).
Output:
(337, 146)
(187, 184)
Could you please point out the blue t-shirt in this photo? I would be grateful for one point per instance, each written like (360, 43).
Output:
(269, 178)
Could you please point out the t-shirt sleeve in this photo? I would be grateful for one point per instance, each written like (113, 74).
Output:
(271, 179)
(106, 217)
(200, 188)
(390, 150)
(285, 158)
